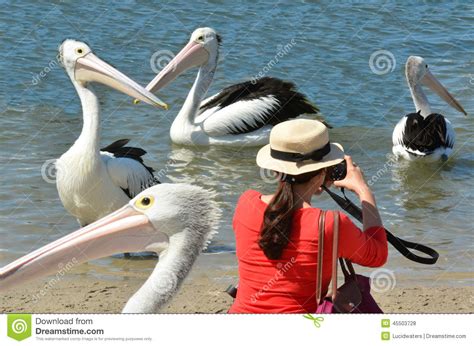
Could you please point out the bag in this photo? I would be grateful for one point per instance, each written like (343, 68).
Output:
(354, 295)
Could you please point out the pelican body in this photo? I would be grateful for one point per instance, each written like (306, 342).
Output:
(424, 134)
(92, 183)
(174, 220)
(240, 115)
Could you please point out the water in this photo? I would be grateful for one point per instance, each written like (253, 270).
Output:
(330, 46)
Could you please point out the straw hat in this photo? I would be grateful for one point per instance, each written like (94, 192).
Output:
(299, 146)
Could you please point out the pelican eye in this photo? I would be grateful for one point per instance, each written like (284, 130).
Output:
(201, 38)
(426, 65)
(145, 202)
(79, 50)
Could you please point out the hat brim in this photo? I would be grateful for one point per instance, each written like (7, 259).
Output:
(265, 160)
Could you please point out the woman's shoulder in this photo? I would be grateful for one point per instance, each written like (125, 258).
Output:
(249, 207)
(308, 215)
(249, 196)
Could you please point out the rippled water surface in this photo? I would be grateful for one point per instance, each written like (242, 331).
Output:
(328, 59)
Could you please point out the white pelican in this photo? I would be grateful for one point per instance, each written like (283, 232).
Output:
(424, 134)
(241, 114)
(174, 220)
(92, 183)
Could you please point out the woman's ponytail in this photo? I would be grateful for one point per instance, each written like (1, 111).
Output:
(277, 221)
(278, 217)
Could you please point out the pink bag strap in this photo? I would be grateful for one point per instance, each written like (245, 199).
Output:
(335, 248)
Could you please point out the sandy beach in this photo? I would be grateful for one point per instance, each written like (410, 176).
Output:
(203, 292)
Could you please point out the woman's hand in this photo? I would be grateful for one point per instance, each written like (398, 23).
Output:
(354, 179)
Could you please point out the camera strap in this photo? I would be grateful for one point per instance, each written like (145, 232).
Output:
(403, 246)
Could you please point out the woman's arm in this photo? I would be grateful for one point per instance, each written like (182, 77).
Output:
(368, 248)
(355, 182)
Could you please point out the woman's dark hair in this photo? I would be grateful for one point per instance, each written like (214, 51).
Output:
(278, 217)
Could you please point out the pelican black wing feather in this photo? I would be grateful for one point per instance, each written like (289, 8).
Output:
(426, 134)
(291, 103)
(119, 150)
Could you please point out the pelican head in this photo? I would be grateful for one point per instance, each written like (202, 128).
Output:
(83, 67)
(418, 73)
(149, 222)
(201, 50)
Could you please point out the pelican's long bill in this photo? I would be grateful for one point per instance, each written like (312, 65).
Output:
(125, 230)
(430, 81)
(91, 68)
(193, 54)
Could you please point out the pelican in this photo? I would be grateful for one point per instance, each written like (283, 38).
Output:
(174, 220)
(240, 115)
(92, 183)
(424, 134)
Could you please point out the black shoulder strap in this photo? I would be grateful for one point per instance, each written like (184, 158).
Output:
(401, 245)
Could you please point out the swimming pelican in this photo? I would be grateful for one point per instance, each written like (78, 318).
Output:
(174, 220)
(424, 134)
(241, 115)
(92, 183)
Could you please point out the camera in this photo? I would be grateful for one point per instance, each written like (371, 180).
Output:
(337, 172)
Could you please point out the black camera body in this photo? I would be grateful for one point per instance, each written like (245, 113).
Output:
(337, 172)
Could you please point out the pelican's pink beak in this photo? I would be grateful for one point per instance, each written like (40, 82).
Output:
(193, 54)
(430, 81)
(125, 230)
(91, 68)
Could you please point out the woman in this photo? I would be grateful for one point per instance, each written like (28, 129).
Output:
(276, 235)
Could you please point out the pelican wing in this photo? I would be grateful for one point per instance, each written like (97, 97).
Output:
(425, 135)
(248, 106)
(127, 169)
